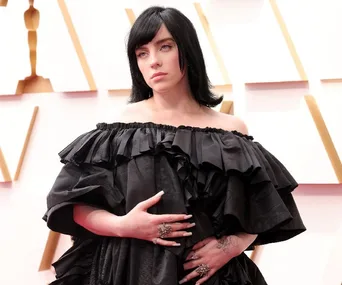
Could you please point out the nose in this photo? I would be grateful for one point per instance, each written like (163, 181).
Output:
(155, 60)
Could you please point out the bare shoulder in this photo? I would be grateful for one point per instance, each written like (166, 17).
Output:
(131, 111)
(232, 123)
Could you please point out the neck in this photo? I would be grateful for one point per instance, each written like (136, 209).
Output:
(179, 99)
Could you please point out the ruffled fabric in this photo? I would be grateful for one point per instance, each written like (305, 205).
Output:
(75, 265)
(88, 185)
(204, 156)
(226, 180)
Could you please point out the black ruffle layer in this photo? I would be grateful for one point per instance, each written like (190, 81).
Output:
(241, 186)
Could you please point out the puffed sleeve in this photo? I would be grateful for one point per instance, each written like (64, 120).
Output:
(81, 180)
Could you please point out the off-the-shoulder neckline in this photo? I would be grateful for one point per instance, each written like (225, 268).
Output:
(136, 125)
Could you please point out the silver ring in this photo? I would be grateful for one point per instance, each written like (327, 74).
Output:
(155, 240)
(203, 270)
(164, 230)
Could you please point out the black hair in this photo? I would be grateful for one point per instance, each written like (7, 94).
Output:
(182, 30)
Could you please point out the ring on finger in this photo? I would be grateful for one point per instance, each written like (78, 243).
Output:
(164, 230)
(203, 270)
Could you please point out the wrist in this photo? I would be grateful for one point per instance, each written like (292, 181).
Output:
(245, 240)
(119, 228)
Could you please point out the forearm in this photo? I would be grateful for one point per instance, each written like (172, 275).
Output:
(98, 221)
(246, 239)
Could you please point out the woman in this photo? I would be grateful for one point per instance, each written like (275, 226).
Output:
(175, 192)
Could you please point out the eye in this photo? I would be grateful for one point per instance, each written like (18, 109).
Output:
(141, 54)
(166, 47)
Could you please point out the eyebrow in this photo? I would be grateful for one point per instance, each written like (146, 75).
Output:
(164, 40)
(159, 42)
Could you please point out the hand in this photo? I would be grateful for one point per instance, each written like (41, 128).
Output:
(213, 254)
(140, 224)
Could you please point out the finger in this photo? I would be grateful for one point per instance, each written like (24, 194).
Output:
(163, 242)
(188, 277)
(203, 251)
(205, 278)
(144, 205)
(192, 256)
(200, 244)
(172, 230)
(181, 226)
(178, 234)
(172, 218)
(192, 264)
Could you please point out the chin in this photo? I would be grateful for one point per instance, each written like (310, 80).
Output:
(162, 88)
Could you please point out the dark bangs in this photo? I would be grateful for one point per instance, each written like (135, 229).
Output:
(147, 31)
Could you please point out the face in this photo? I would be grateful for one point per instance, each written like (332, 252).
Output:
(158, 62)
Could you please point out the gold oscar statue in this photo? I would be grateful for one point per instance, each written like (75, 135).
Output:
(3, 3)
(33, 83)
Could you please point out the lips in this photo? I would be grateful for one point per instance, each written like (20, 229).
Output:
(158, 74)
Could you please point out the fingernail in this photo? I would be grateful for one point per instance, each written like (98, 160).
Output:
(187, 234)
(176, 244)
(160, 193)
(187, 217)
(182, 281)
(191, 225)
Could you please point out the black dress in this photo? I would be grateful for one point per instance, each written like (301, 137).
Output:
(228, 182)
